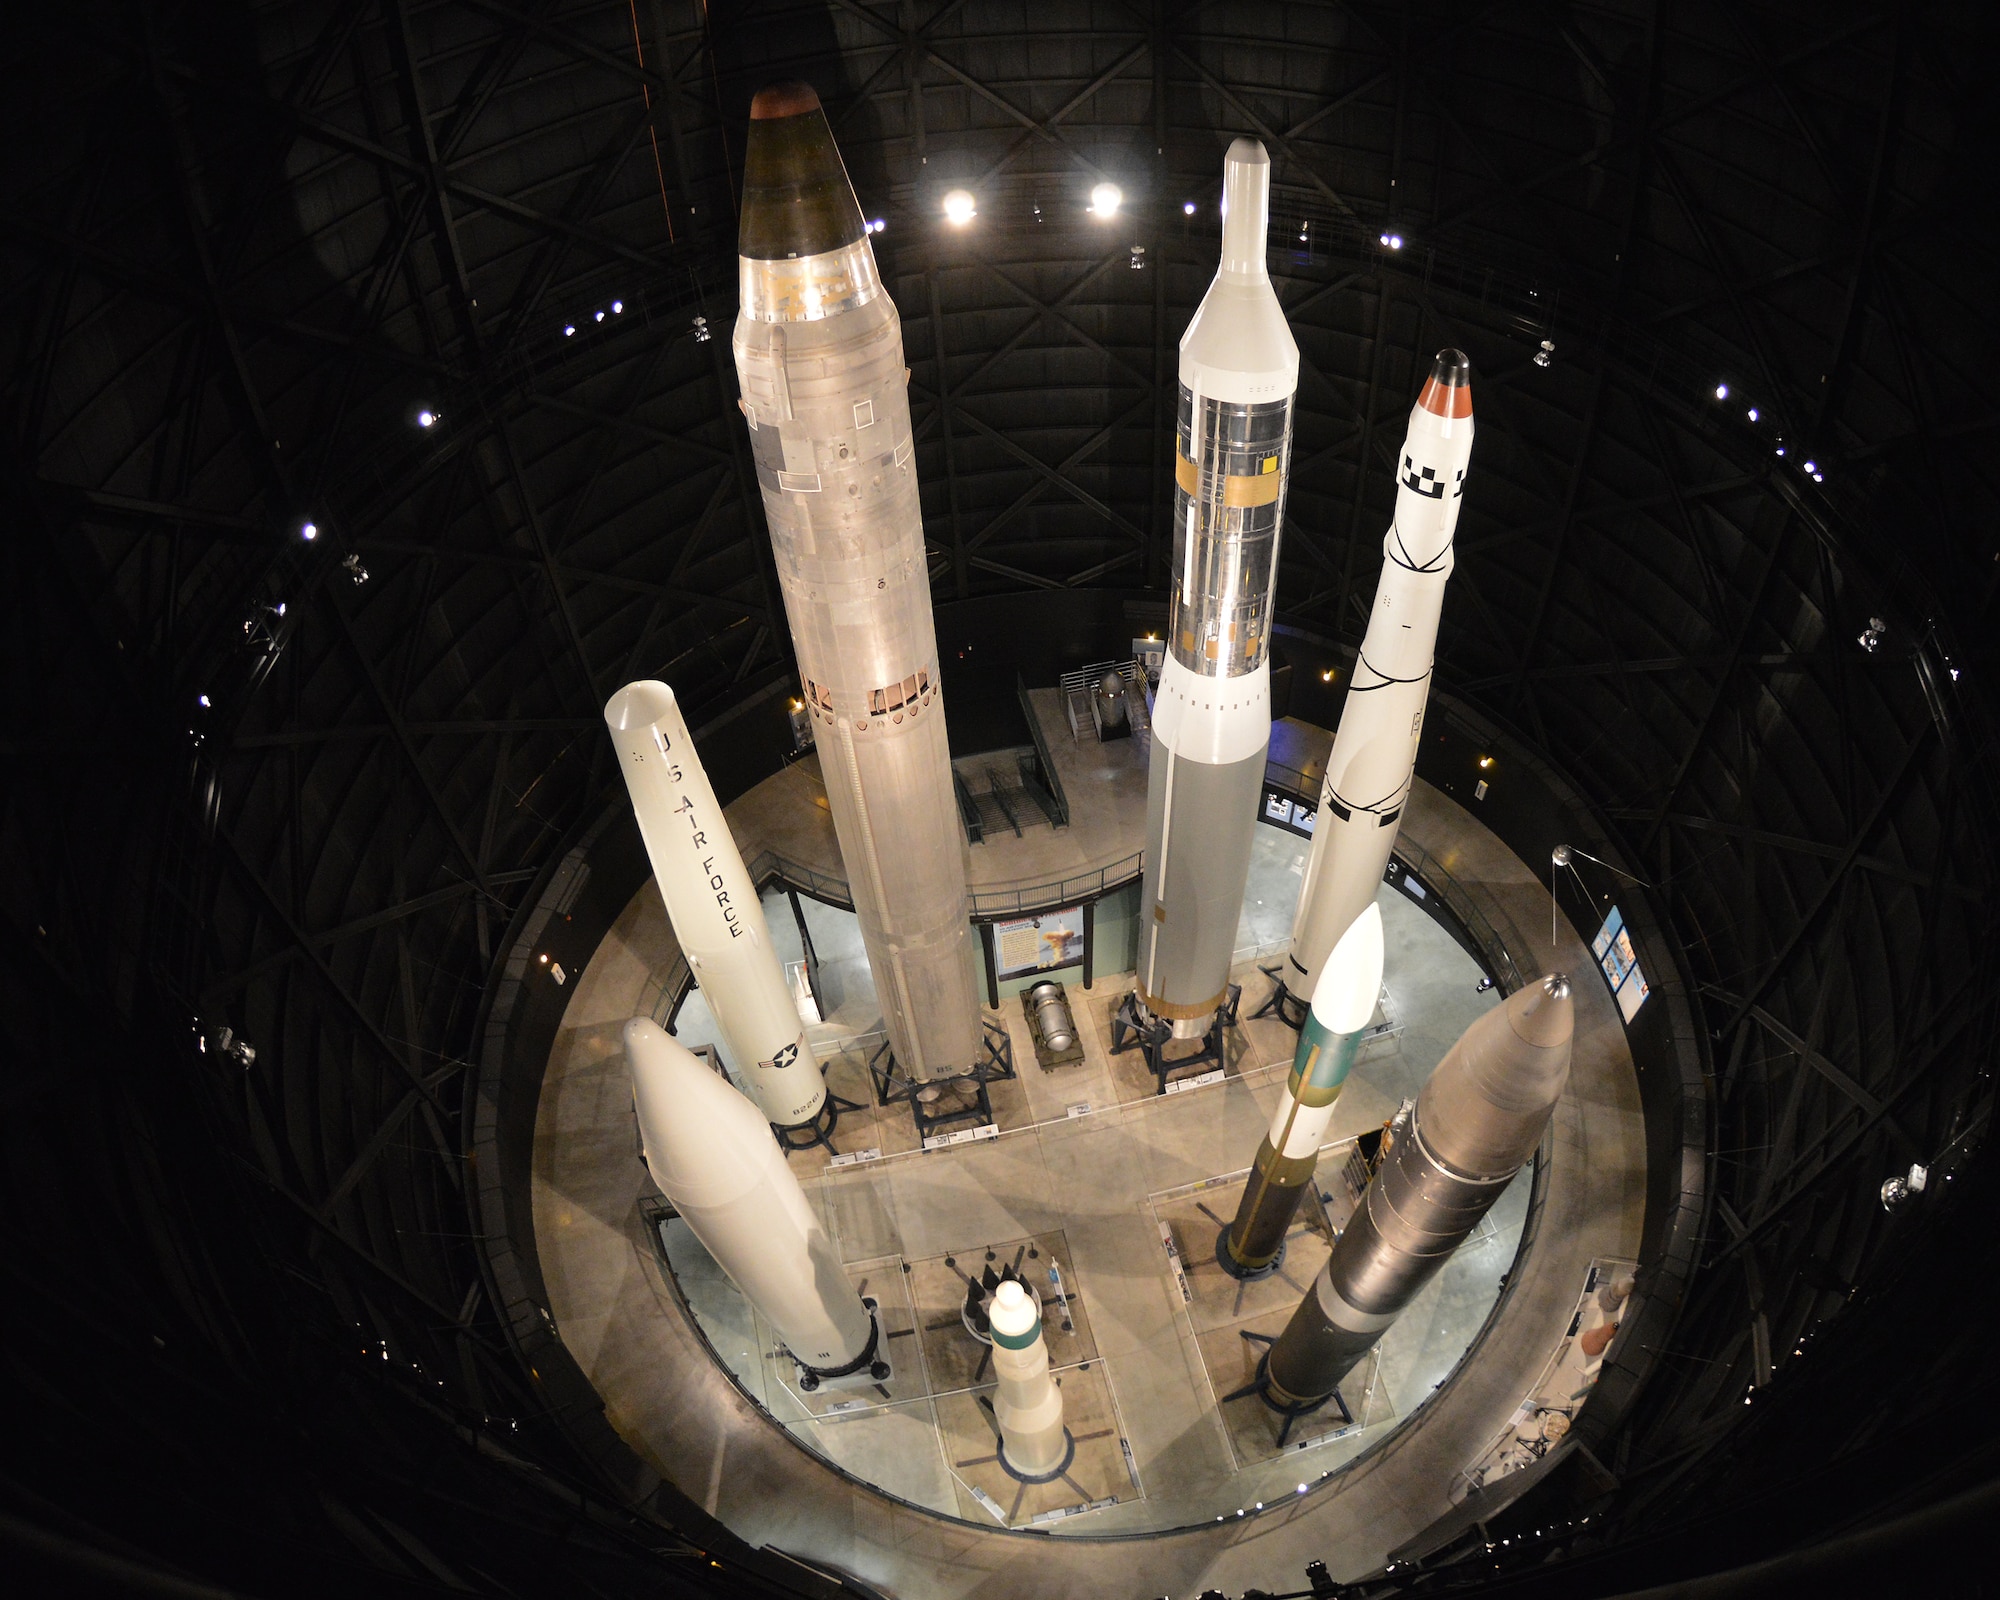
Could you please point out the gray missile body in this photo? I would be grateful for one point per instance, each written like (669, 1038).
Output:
(1239, 372)
(819, 353)
(1479, 1116)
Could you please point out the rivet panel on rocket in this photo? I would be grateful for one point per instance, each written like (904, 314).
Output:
(819, 354)
(1374, 756)
(1239, 370)
(711, 1152)
(712, 904)
(1343, 1005)
(1479, 1115)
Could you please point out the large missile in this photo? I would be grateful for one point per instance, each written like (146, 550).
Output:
(819, 354)
(711, 1152)
(1239, 370)
(1343, 1005)
(1034, 1444)
(712, 903)
(1478, 1117)
(1374, 757)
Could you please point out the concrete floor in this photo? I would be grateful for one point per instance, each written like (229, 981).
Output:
(1099, 1182)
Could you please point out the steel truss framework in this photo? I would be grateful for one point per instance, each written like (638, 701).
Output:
(247, 268)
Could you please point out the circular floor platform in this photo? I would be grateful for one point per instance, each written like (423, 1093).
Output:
(1093, 1174)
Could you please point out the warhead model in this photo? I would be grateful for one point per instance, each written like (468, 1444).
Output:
(819, 353)
(1034, 1444)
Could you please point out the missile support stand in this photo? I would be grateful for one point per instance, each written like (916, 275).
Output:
(1276, 1399)
(1133, 1029)
(892, 1085)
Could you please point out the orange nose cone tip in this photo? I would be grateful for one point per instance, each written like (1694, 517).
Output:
(1449, 391)
(783, 100)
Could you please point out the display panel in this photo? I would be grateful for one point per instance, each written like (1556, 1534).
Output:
(1045, 943)
(1620, 964)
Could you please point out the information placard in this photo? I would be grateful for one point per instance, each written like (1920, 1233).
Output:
(1620, 964)
(1046, 943)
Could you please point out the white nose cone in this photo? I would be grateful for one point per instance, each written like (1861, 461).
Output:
(1239, 348)
(712, 1154)
(1344, 1001)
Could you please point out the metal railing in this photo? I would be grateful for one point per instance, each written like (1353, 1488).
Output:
(1496, 939)
(1059, 814)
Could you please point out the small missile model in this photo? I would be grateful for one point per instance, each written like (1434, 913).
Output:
(1374, 756)
(1239, 371)
(819, 354)
(1479, 1115)
(1343, 1005)
(1034, 1445)
(712, 1154)
(713, 905)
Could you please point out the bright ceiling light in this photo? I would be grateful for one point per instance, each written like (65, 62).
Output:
(1722, 391)
(1187, 210)
(426, 418)
(309, 531)
(1105, 199)
(960, 208)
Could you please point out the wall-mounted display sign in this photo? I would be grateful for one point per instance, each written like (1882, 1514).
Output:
(1282, 811)
(1620, 964)
(1045, 943)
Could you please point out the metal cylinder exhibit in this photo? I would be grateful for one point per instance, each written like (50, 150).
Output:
(712, 1154)
(1479, 1115)
(1052, 1015)
(1027, 1405)
(712, 904)
(1343, 1004)
(819, 354)
(1374, 756)
(1239, 371)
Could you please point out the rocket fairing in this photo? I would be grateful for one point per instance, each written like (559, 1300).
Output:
(712, 903)
(1478, 1117)
(1028, 1406)
(1374, 756)
(819, 355)
(1239, 371)
(712, 1154)
(1343, 1004)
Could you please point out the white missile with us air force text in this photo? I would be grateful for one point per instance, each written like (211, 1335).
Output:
(712, 904)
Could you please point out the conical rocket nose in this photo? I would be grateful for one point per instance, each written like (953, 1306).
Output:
(796, 197)
(1344, 998)
(1541, 1014)
(1448, 392)
(1246, 209)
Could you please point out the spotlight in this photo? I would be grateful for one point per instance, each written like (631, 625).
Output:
(568, 329)
(355, 569)
(1546, 354)
(600, 316)
(1753, 413)
(617, 308)
(202, 701)
(309, 531)
(1138, 258)
(1482, 986)
(960, 208)
(877, 225)
(1809, 467)
(1326, 676)
(1188, 209)
(426, 419)
(1105, 199)
(1722, 391)
(1872, 635)
(701, 333)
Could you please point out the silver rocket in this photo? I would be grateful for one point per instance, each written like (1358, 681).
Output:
(819, 354)
(1479, 1115)
(712, 1154)
(712, 903)
(1239, 371)
(1374, 757)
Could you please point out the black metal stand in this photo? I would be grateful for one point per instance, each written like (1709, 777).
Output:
(1130, 1030)
(1287, 1007)
(819, 1131)
(1006, 1466)
(869, 1361)
(1236, 1270)
(967, 1089)
(1260, 1386)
